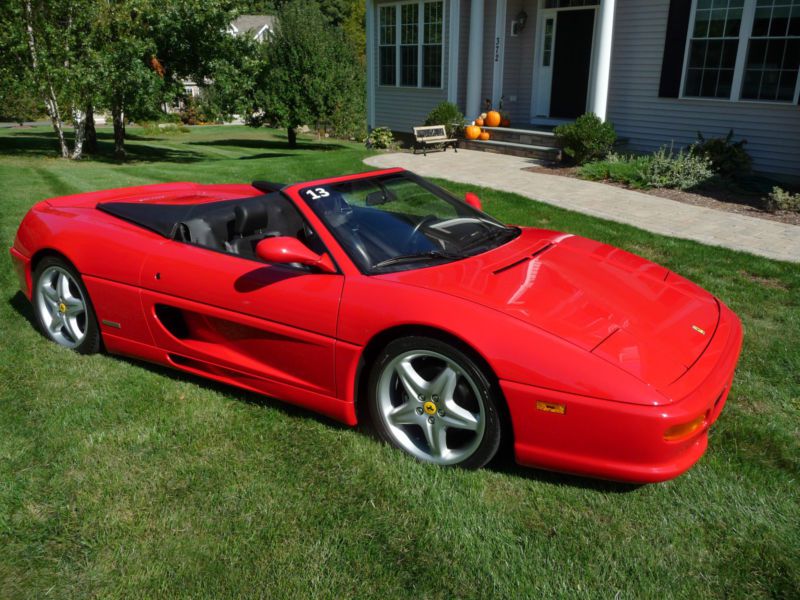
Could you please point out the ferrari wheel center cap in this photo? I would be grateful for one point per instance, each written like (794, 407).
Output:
(430, 407)
(62, 308)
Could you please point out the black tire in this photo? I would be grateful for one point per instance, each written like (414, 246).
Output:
(397, 419)
(89, 341)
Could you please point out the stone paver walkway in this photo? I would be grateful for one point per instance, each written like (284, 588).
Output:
(659, 215)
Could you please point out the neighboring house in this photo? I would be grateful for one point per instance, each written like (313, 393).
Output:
(660, 70)
(258, 27)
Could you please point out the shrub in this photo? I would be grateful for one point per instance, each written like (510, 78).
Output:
(190, 112)
(587, 139)
(446, 114)
(380, 138)
(728, 158)
(780, 199)
(171, 128)
(683, 171)
(622, 169)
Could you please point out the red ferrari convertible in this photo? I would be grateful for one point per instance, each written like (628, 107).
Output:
(381, 289)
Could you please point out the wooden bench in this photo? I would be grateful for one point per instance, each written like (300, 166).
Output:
(433, 136)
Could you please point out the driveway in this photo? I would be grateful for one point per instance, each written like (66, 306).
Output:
(659, 215)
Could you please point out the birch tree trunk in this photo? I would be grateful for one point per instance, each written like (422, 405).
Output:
(51, 105)
(79, 119)
(50, 100)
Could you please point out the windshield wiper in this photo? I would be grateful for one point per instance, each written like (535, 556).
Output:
(407, 258)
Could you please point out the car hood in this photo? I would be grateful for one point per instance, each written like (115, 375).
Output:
(638, 315)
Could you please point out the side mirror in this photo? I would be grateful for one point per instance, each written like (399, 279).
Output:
(473, 200)
(283, 250)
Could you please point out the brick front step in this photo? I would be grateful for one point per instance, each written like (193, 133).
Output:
(532, 137)
(545, 153)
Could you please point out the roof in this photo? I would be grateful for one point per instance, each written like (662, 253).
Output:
(253, 25)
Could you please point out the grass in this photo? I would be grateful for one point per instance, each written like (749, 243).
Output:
(120, 479)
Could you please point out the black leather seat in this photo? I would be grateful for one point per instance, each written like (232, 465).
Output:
(250, 225)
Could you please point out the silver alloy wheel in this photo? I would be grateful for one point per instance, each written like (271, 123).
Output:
(62, 307)
(410, 405)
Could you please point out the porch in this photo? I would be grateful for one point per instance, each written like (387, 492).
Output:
(543, 62)
(549, 60)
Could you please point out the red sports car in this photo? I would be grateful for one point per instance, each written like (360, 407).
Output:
(381, 289)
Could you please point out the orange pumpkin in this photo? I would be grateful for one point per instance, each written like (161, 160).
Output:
(479, 122)
(505, 123)
(471, 132)
(484, 136)
(492, 118)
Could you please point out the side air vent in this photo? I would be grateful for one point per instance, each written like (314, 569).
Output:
(541, 250)
(172, 319)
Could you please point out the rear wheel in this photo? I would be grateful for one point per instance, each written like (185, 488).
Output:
(62, 307)
(434, 402)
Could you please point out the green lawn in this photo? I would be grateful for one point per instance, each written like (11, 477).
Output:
(120, 479)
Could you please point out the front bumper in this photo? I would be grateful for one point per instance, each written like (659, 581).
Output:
(22, 267)
(621, 441)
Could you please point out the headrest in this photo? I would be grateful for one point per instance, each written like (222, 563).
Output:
(250, 216)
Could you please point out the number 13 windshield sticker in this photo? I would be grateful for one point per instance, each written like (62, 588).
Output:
(316, 193)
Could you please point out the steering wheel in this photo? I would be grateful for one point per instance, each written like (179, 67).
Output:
(423, 222)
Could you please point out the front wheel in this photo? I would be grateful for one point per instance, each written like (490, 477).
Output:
(434, 402)
(62, 307)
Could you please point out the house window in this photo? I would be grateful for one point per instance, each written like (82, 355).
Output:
(433, 20)
(386, 46)
(410, 43)
(713, 47)
(773, 56)
(743, 49)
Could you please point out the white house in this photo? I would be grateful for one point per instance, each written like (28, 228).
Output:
(660, 70)
(258, 27)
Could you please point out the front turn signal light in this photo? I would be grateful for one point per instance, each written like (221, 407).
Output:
(684, 430)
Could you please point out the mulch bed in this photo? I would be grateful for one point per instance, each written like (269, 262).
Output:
(742, 203)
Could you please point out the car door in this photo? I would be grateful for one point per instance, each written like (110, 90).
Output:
(267, 327)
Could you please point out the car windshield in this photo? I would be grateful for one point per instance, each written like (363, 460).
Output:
(399, 221)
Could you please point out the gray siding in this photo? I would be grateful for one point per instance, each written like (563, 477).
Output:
(518, 68)
(402, 108)
(772, 130)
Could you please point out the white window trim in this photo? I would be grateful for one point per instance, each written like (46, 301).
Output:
(745, 33)
(420, 43)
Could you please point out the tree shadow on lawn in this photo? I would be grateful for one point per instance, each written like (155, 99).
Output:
(44, 144)
(503, 463)
(259, 144)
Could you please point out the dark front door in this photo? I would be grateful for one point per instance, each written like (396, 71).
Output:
(573, 56)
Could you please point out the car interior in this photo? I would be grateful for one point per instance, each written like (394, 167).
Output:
(232, 226)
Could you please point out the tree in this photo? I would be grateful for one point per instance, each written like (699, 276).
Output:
(44, 46)
(145, 49)
(308, 72)
(16, 102)
(126, 56)
(354, 26)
